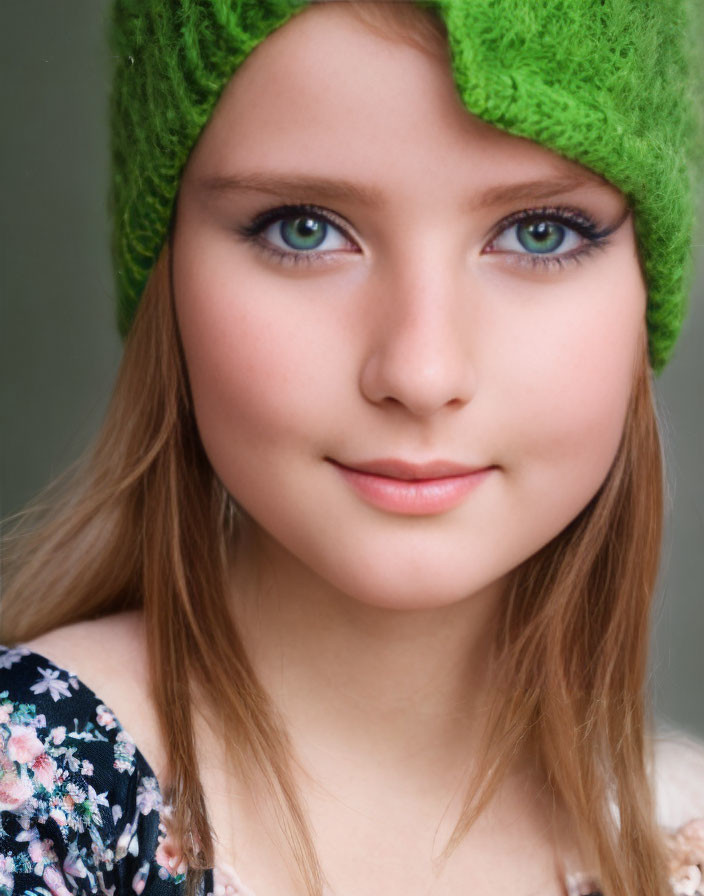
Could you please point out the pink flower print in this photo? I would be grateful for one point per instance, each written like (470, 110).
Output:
(41, 852)
(86, 767)
(76, 792)
(23, 745)
(44, 768)
(97, 799)
(102, 855)
(5, 713)
(686, 847)
(127, 842)
(50, 681)
(58, 735)
(55, 882)
(169, 856)
(140, 878)
(148, 796)
(73, 801)
(128, 745)
(227, 883)
(15, 790)
(105, 717)
(692, 834)
(7, 867)
(59, 817)
(11, 655)
(686, 881)
(169, 853)
(73, 865)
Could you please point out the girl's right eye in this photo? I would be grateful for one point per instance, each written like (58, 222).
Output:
(299, 234)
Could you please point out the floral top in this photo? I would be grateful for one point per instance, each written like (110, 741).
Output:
(81, 810)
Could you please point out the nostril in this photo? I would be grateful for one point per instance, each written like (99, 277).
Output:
(396, 380)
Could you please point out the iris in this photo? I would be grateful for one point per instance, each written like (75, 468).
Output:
(303, 233)
(540, 236)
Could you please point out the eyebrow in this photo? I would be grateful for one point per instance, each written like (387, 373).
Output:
(288, 186)
(539, 189)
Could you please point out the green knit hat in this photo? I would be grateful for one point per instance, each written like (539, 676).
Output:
(612, 84)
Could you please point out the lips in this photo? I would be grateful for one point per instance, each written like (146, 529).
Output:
(412, 489)
(406, 470)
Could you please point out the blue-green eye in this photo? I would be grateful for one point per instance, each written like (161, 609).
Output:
(303, 232)
(541, 236)
(544, 234)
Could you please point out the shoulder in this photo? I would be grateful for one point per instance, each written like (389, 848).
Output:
(80, 808)
(109, 656)
(99, 651)
(56, 738)
(678, 778)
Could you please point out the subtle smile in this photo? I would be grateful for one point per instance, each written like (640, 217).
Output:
(412, 489)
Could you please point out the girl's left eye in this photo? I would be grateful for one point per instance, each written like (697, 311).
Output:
(547, 237)
(541, 236)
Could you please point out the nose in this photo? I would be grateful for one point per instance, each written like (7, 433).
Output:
(419, 352)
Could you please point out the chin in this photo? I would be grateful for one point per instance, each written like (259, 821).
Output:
(398, 586)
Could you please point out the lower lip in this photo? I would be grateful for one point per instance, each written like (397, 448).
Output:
(413, 497)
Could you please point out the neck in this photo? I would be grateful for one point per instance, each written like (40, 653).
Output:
(402, 691)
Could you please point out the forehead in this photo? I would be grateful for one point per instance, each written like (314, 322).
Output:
(329, 94)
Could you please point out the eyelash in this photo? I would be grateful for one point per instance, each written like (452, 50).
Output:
(252, 232)
(572, 218)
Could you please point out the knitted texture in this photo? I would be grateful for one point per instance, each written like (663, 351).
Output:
(173, 60)
(612, 84)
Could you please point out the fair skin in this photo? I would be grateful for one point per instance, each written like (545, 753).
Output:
(422, 329)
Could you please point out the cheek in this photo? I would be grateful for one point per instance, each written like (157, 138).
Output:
(239, 380)
(254, 356)
(572, 398)
(574, 434)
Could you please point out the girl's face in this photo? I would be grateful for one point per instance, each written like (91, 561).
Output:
(411, 338)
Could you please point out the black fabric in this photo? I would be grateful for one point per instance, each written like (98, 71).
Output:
(80, 807)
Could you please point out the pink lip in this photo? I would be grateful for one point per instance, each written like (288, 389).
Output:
(409, 488)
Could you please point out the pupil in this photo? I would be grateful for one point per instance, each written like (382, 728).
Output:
(306, 227)
(541, 236)
(303, 233)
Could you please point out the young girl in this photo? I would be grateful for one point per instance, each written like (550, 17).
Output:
(353, 596)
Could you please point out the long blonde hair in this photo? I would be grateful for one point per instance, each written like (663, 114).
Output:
(146, 524)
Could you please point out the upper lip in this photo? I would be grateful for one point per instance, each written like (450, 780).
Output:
(403, 469)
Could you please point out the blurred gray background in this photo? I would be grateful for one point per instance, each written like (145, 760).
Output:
(59, 349)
